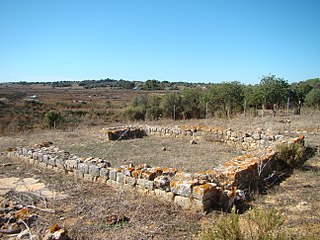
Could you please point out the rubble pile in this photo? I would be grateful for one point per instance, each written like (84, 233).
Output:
(18, 218)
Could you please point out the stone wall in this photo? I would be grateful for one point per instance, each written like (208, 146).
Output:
(202, 191)
(238, 139)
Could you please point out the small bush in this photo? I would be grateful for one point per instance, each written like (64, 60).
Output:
(257, 224)
(290, 154)
(133, 113)
(227, 228)
(51, 119)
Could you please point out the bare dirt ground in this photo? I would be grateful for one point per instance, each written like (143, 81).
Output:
(95, 211)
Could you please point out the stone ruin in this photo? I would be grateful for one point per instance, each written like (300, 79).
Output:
(216, 188)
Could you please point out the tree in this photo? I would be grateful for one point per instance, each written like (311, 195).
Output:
(313, 98)
(152, 85)
(52, 118)
(275, 91)
(171, 105)
(192, 102)
(226, 97)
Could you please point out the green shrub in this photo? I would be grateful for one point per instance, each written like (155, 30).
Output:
(257, 224)
(133, 113)
(51, 119)
(290, 154)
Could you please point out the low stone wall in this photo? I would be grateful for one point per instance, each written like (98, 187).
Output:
(238, 139)
(202, 191)
(122, 133)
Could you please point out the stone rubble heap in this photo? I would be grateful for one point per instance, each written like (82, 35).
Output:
(202, 191)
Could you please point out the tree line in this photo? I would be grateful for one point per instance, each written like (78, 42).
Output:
(226, 99)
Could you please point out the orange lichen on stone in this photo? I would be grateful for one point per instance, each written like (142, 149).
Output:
(54, 228)
(204, 191)
(136, 173)
(148, 175)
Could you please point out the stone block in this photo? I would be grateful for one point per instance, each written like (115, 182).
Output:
(183, 202)
(120, 178)
(89, 178)
(30, 153)
(24, 151)
(113, 174)
(205, 191)
(59, 163)
(149, 175)
(162, 182)
(51, 161)
(35, 156)
(94, 170)
(84, 168)
(203, 206)
(113, 184)
(45, 158)
(165, 196)
(130, 181)
(101, 180)
(104, 173)
(136, 173)
(149, 185)
(71, 165)
(141, 182)
(181, 188)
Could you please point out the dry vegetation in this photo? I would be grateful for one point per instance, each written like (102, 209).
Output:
(93, 211)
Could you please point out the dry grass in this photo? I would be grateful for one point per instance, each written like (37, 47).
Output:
(89, 206)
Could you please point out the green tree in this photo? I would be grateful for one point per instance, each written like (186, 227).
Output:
(171, 106)
(253, 96)
(275, 91)
(226, 97)
(192, 102)
(51, 119)
(153, 109)
(313, 98)
(151, 85)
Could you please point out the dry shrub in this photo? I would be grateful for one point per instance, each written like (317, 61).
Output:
(291, 155)
(258, 223)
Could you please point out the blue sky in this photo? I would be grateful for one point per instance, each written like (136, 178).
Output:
(174, 40)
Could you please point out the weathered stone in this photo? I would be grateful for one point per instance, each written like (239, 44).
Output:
(45, 158)
(205, 191)
(120, 178)
(84, 168)
(130, 181)
(94, 170)
(35, 155)
(181, 188)
(71, 165)
(89, 178)
(203, 205)
(183, 202)
(162, 182)
(59, 163)
(141, 182)
(104, 173)
(149, 185)
(30, 153)
(136, 173)
(148, 175)
(166, 196)
(113, 174)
